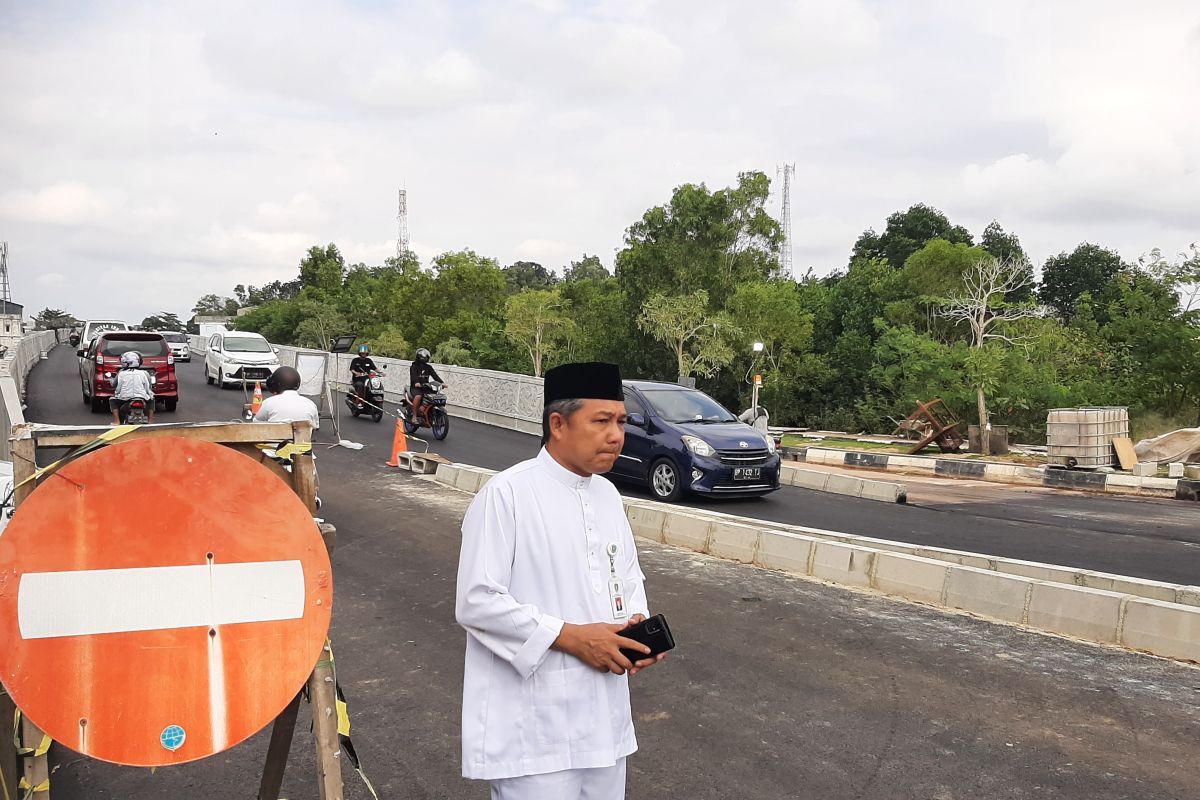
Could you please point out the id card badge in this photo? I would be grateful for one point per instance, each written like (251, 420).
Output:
(616, 597)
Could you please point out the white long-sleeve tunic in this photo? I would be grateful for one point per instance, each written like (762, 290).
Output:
(535, 553)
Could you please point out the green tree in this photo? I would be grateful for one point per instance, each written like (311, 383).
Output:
(602, 331)
(586, 268)
(1004, 246)
(1065, 277)
(539, 321)
(162, 321)
(323, 268)
(390, 342)
(701, 240)
(49, 319)
(320, 323)
(211, 305)
(772, 314)
(906, 233)
(697, 337)
(456, 352)
(528, 275)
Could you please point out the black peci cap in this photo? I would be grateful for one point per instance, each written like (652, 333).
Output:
(592, 380)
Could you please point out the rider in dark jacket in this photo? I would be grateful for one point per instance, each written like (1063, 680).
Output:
(361, 368)
(418, 379)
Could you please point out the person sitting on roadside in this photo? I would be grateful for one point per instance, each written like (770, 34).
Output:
(286, 404)
(131, 383)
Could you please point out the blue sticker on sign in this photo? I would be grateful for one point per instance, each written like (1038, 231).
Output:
(172, 737)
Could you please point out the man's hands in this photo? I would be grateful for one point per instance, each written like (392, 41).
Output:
(599, 646)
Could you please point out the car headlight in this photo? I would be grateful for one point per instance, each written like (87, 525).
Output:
(698, 446)
(770, 444)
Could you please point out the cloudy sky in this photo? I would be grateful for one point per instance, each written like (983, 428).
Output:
(153, 152)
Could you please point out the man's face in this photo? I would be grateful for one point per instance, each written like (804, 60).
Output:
(590, 439)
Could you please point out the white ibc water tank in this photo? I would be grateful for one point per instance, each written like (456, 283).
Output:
(1082, 437)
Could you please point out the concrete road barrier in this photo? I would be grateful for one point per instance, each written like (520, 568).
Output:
(836, 483)
(1096, 607)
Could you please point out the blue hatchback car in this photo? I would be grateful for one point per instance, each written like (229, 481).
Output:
(680, 440)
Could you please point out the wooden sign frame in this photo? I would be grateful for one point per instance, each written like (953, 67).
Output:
(28, 439)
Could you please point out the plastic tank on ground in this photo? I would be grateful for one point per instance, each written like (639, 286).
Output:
(1082, 437)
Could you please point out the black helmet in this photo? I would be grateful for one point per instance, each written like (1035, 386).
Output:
(422, 355)
(283, 379)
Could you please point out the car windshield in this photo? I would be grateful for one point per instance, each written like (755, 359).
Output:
(247, 344)
(147, 347)
(175, 338)
(686, 405)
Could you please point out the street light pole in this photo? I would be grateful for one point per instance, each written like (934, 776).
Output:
(758, 348)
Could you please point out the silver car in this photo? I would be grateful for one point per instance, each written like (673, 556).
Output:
(178, 342)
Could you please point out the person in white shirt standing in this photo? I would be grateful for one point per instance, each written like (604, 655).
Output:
(286, 404)
(547, 577)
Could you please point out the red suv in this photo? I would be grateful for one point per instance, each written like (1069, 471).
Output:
(99, 362)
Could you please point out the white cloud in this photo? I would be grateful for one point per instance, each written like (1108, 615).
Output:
(188, 149)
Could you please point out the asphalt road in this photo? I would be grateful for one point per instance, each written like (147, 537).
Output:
(780, 687)
(1147, 538)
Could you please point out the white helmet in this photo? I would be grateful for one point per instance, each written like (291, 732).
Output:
(131, 359)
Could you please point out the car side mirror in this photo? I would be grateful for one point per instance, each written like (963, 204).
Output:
(81, 353)
(636, 420)
(276, 349)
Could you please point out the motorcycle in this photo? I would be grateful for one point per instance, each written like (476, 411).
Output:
(433, 411)
(371, 401)
(135, 412)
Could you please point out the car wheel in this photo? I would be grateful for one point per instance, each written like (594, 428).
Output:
(87, 398)
(171, 403)
(664, 481)
(99, 405)
(207, 377)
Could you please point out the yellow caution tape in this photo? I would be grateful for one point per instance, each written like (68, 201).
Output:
(44, 786)
(104, 438)
(43, 746)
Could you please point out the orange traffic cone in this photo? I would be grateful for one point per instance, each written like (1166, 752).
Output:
(256, 401)
(399, 443)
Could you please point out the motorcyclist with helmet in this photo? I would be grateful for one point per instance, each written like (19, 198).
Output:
(131, 383)
(418, 379)
(360, 369)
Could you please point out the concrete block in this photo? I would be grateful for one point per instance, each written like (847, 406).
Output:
(1188, 596)
(911, 464)
(908, 576)
(1075, 611)
(447, 474)
(988, 593)
(1036, 571)
(1146, 469)
(784, 551)
(844, 484)
(1175, 469)
(423, 465)
(1122, 482)
(733, 541)
(884, 492)
(404, 461)
(1165, 629)
(1138, 587)
(1191, 471)
(1030, 475)
(687, 531)
(840, 563)
(806, 478)
(646, 522)
(817, 455)
(468, 480)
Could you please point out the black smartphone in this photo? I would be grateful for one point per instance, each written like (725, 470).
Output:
(654, 633)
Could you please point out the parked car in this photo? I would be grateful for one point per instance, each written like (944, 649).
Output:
(680, 440)
(98, 363)
(234, 357)
(178, 342)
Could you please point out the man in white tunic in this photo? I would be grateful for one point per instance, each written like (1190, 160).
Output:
(547, 576)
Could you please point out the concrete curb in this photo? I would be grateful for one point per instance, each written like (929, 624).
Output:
(1077, 603)
(842, 484)
(1110, 483)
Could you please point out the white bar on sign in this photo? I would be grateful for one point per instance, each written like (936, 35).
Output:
(88, 602)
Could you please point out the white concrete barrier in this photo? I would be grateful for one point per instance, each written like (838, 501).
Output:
(837, 483)
(1087, 605)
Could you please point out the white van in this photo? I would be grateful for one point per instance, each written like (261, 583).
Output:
(233, 357)
(94, 327)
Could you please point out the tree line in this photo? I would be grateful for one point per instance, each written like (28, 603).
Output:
(695, 284)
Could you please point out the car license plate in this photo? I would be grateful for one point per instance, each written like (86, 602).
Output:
(747, 473)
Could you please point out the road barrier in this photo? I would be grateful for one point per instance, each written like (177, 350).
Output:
(842, 484)
(1082, 480)
(14, 370)
(1149, 616)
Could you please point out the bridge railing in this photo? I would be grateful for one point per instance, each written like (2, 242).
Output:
(14, 370)
(503, 399)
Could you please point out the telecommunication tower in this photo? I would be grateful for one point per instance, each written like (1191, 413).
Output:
(402, 225)
(788, 171)
(5, 292)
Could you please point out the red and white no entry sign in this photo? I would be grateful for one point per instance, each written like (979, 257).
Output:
(160, 601)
